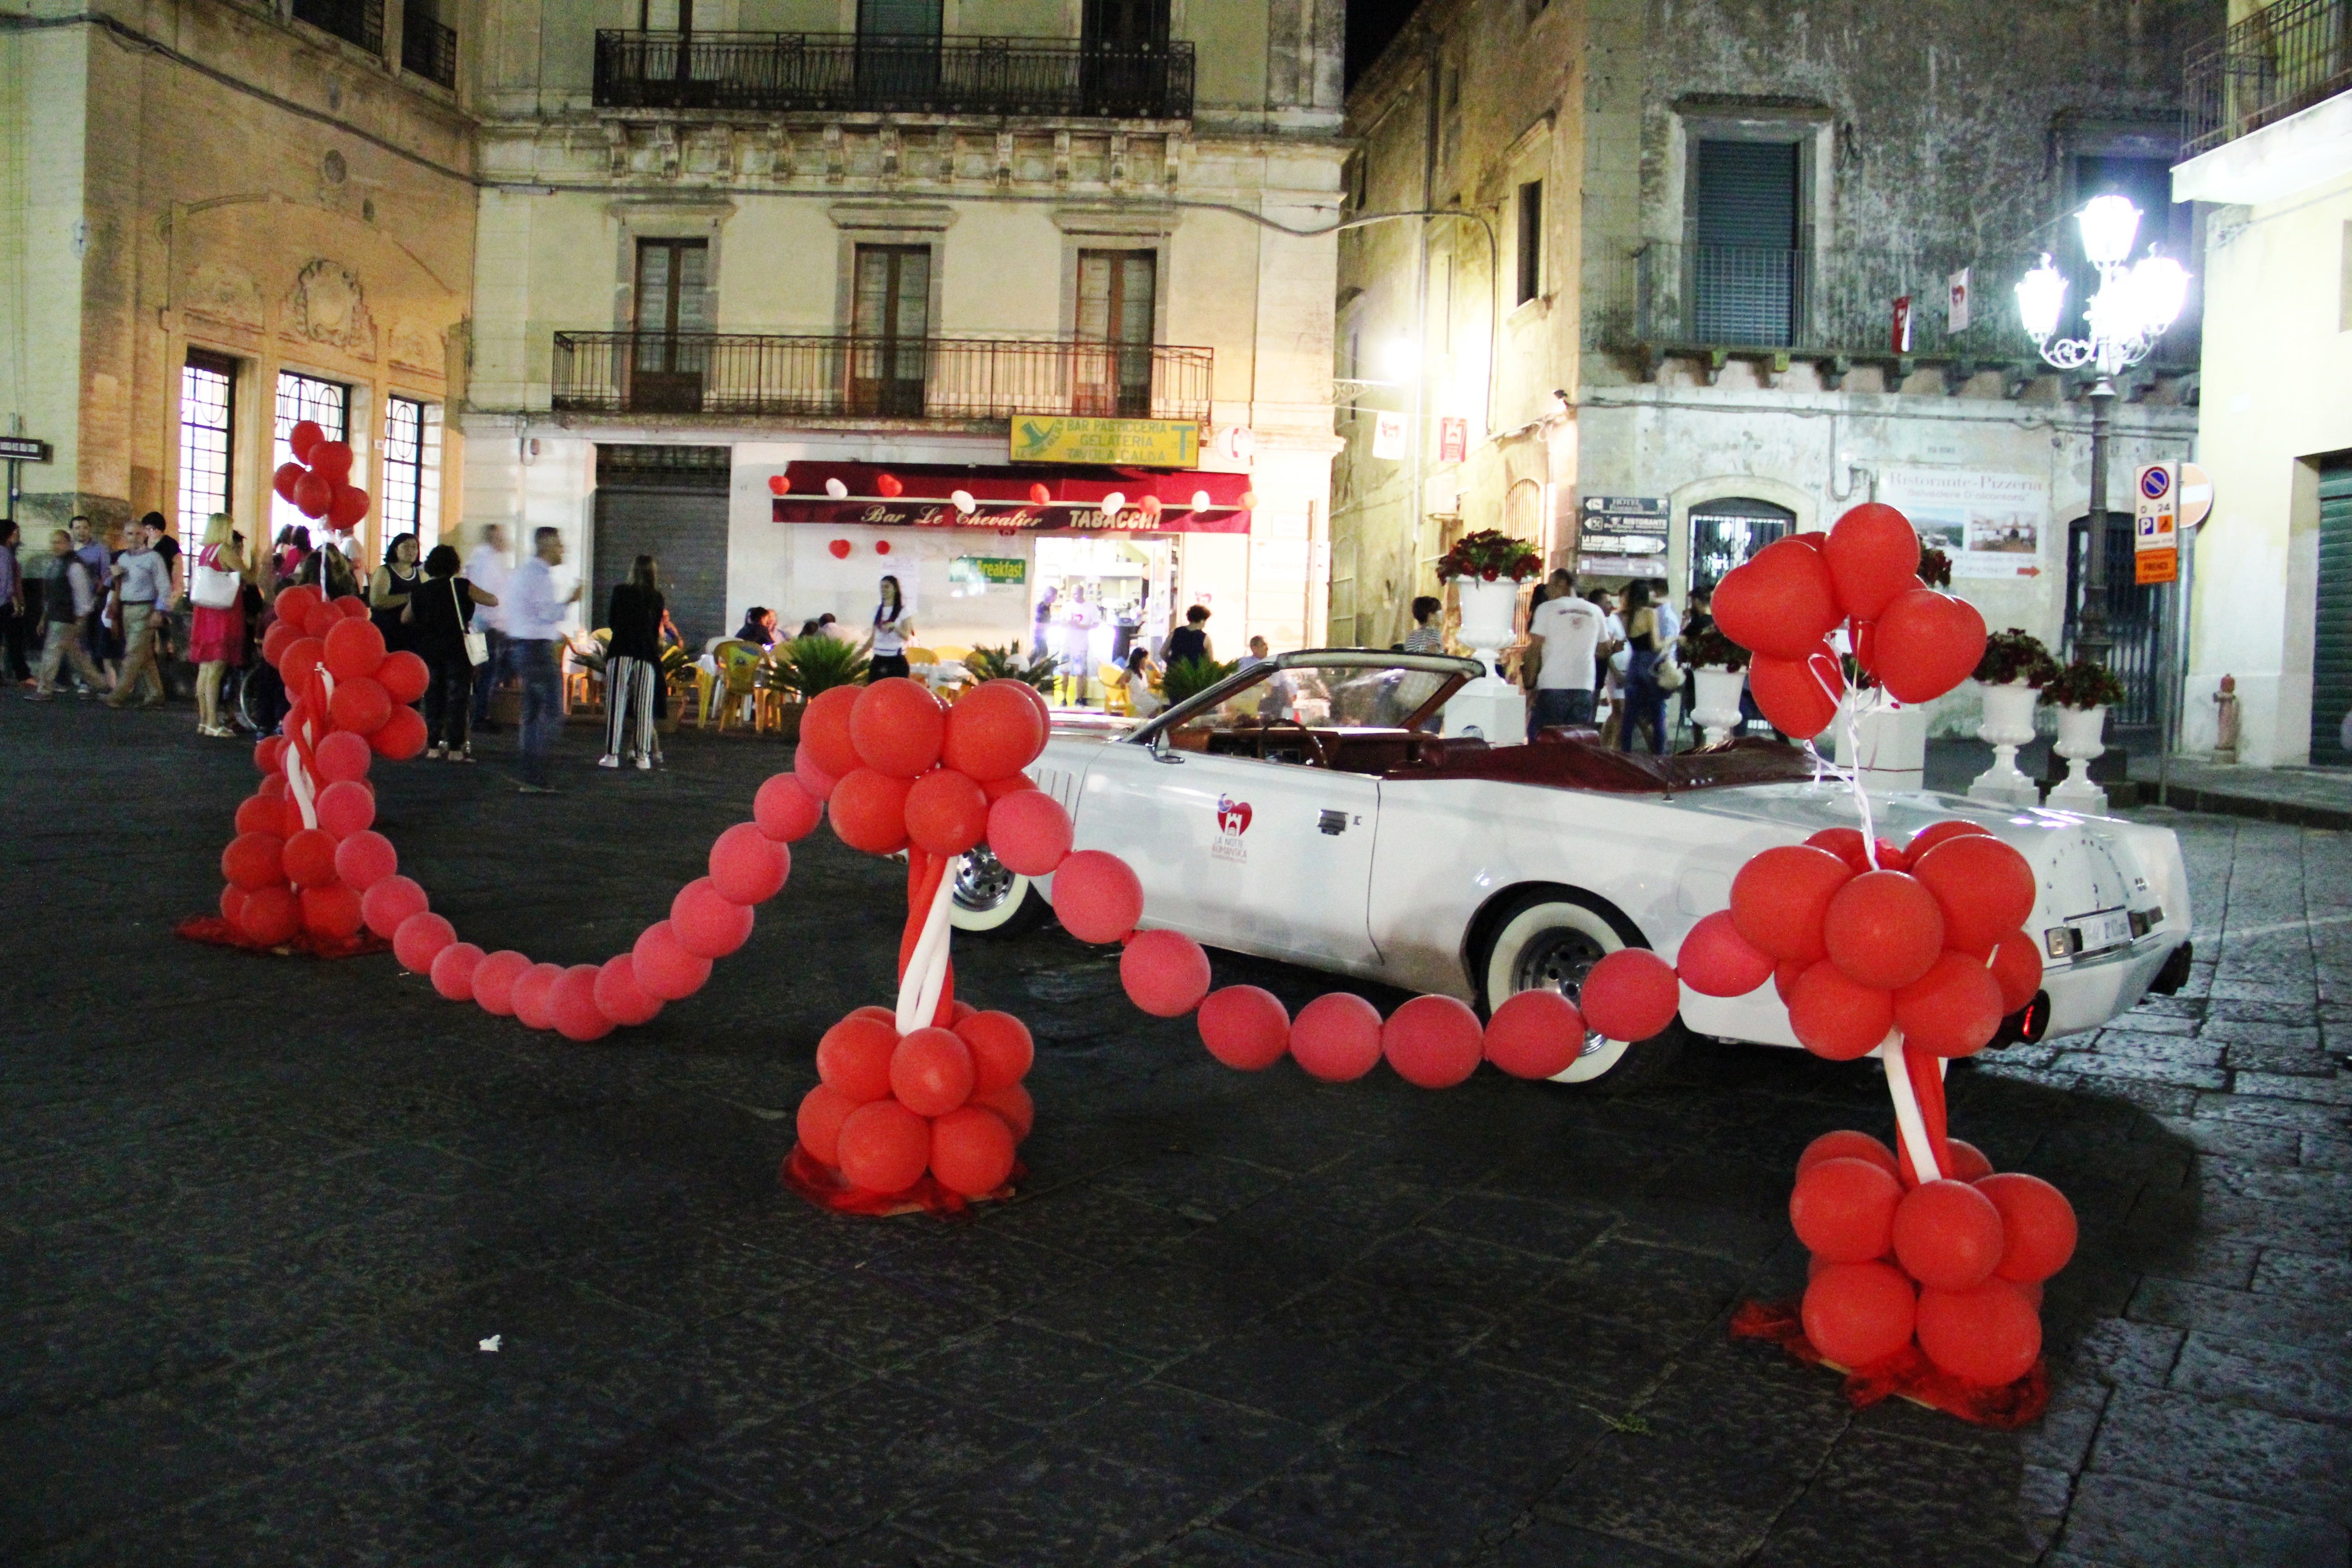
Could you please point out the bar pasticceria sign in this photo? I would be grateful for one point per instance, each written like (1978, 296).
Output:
(1127, 442)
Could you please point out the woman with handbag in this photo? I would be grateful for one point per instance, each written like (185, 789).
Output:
(216, 580)
(440, 616)
(1646, 701)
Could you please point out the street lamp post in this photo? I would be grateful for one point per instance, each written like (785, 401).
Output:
(2123, 321)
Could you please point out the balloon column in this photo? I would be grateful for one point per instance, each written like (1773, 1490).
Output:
(316, 483)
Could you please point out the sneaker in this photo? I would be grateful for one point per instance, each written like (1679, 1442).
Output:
(660, 761)
(608, 760)
(645, 764)
(534, 789)
(431, 753)
(464, 755)
(40, 697)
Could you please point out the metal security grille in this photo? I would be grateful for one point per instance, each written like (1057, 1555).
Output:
(207, 437)
(1724, 533)
(668, 503)
(2331, 642)
(2131, 616)
(301, 397)
(1744, 267)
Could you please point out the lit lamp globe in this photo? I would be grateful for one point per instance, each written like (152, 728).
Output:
(2109, 224)
(2159, 287)
(2041, 299)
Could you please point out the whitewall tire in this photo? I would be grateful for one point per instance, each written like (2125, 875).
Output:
(991, 901)
(1550, 942)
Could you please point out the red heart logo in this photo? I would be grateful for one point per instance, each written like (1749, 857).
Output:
(840, 548)
(779, 484)
(888, 484)
(1233, 816)
(1926, 642)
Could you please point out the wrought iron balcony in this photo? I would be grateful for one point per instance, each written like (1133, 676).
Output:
(426, 48)
(357, 22)
(2277, 62)
(745, 374)
(838, 72)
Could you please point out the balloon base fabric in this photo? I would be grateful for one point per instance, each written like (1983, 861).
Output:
(829, 1190)
(1907, 1374)
(216, 932)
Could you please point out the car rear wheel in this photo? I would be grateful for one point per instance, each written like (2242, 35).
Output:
(992, 901)
(1551, 942)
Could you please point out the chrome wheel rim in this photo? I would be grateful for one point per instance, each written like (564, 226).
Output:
(982, 882)
(1558, 960)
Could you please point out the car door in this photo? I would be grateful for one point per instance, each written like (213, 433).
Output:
(1271, 858)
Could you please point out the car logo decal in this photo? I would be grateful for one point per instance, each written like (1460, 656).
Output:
(1233, 821)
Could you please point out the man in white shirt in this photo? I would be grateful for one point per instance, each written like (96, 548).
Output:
(489, 567)
(534, 618)
(1567, 632)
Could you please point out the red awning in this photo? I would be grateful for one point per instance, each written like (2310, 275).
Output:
(1007, 497)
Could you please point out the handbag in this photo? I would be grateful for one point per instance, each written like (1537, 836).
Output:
(210, 587)
(1668, 673)
(477, 644)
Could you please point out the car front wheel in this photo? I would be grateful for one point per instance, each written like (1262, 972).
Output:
(1550, 942)
(991, 901)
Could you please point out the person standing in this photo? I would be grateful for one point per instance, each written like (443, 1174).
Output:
(216, 583)
(12, 609)
(143, 592)
(488, 568)
(1567, 632)
(439, 614)
(66, 598)
(892, 627)
(1646, 701)
(633, 666)
(389, 590)
(1427, 636)
(535, 642)
(98, 562)
(1190, 640)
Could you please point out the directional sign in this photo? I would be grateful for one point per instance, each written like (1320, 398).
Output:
(25, 449)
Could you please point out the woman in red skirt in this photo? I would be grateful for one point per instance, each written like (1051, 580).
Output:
(216, 580)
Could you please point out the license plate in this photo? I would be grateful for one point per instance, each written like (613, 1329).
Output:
(2100, 932)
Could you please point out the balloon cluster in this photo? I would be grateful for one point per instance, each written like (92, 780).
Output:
(1863, 573)
(1953, 1265)
(1433, 1042)
(316, 483)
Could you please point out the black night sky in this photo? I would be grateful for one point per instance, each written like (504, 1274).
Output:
(1370, 24)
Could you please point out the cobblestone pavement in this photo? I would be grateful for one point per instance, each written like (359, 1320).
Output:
(259, 1216)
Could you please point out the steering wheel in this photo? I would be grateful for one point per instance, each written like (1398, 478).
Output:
(1319, 745)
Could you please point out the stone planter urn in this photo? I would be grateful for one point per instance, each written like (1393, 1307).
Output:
(2008, 724)
(1888, 747)
(2080, 732)
(1715, 701)
(1490, 706)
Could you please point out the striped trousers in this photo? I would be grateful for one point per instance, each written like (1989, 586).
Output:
(629, 708)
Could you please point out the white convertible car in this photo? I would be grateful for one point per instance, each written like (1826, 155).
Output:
(1307, 810)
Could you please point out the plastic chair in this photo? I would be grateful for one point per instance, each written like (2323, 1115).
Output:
(1114, 682)
(949, 655)
(922, 655)
(739, 669)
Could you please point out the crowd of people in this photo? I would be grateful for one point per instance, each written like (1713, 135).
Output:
(1585, 645)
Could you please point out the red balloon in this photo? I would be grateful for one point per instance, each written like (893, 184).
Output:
(346, 505)
(853, 1058)
(1781, 897)
(360, 705)
(1953, 1009)
(1098, 896)
(260, 813)
(1781, 603)
(825, 733)
(346, 808)
(1039, 495)
(1166, 973)
(453, 971)
(819, 783)
(354, 649)
(403, 677)
(1873, 555)
(841, 549)
(619, 996)
(1948, 1236)
(1935, 833)
(1013, 1103)
(1844, 1209)
(1715, 960)
(884, 1147)
(1630, 994)
(290, 824)
(1967, 1161)
(320, 619)
(1845, 843)
(995, 730)
(1029, 832)
(747, 867)
(1433, 1042)
(705, 923)
(1846, 1145)
(2037, 1223)
(300, 656)
(1785, 975)
(1883, 929)
(897, 725)
(946, 814)
(269, 756)
(390, 902)
(997, 789)
(1245, 1027)
(313, 494)
(1798, 695)
(294, 601)
(494, 980)
(254, 860)
(930, 1072)
(533, 996)
(2017, 970)
(419, 939)
(1837, 1017)
(332, 459)
(277, 640)
(1001, 1050)
(887, 485)
(779, 484)
(1337, 1036)
(343, 757)
(1991, 1336)
(972, 1151)
(1985, 888)
(365, 858)
(785, 811)
(401, 737)
(305, 436)
(957, 1011)
(869, 811)
(822, 1110)
(664, 968)
(572, 1003)
(274, 788)
(1859, 1313)
(284, 479)
(1036, 700)
(267, 915)
(331, 912)
(1535, 1034)
(1928, 642)
(880, 1014)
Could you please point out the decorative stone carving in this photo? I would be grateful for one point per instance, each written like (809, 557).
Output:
(327, 305)
(416, 345)
(222, 293)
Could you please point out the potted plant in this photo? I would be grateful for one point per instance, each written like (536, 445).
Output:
(802, 668)
(2015, 667)
(2082, 692)
(1487, 569)
(1188, 677)
(1719, 669)
(1010, 663)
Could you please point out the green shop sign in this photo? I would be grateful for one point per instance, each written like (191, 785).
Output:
(988, 571)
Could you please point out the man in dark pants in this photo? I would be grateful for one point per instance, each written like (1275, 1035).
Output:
(534, 618)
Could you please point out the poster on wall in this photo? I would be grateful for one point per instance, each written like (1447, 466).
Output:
(1988, 525)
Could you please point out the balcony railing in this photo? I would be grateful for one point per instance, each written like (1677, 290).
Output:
(426, 48)
(2277, 62)
(845, 72)
(357, 22)
(1667, 296)
(746, 374)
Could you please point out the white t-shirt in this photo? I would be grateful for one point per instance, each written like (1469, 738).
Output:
(1670, 624)
(1571, 628)
(489, 568)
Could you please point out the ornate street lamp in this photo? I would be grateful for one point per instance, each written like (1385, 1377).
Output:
(2133, 307)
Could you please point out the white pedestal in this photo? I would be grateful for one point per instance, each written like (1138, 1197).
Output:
(2008, 724)
(2080, 738)
(1889, 749)
(1714, 702)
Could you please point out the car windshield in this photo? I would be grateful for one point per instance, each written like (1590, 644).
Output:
(1347, 705)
